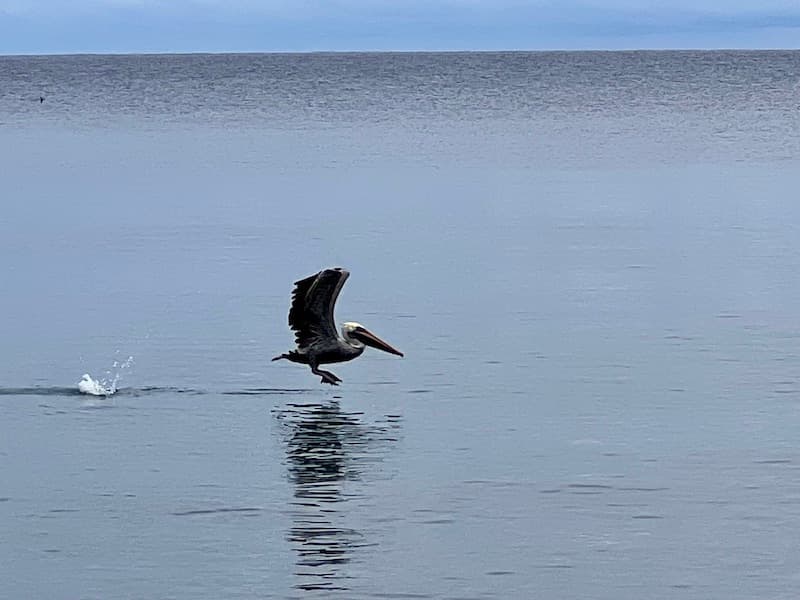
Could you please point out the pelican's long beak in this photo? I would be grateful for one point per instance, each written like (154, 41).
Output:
(370, 339)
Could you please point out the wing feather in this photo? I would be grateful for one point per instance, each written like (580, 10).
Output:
(313, 300)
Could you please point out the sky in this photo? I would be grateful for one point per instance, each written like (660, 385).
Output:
(130, 26)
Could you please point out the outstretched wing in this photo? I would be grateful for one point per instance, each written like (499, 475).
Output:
(313, 299)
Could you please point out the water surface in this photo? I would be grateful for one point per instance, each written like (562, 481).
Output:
(589, 260)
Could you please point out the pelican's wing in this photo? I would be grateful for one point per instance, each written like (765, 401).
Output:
(313, 299)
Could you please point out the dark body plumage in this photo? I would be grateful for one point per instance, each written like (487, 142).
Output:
(311, 319)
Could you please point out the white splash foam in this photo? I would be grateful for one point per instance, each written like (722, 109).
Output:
(105, 386)
(94, 387)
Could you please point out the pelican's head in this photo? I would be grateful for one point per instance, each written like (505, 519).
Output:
(358, 335)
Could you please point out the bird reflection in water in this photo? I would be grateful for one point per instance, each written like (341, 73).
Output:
(327, 448)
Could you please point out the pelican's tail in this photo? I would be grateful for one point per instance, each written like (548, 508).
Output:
(293, 356)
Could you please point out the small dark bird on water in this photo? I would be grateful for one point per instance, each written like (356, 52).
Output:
(41, 99)
(311, 318)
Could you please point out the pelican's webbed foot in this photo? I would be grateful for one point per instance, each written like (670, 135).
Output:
(327, 376)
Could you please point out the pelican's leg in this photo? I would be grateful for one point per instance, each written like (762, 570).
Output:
(327, 376)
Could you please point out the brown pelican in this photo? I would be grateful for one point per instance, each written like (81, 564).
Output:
(311, 318)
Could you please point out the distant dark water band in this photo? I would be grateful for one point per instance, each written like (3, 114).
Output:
(39, 391)
(154, 390)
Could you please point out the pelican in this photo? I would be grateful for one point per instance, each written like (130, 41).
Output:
(311, 318)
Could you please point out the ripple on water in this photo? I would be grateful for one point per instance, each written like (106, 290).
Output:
(267, 391)
(588, 488)
(246, 510)
(400, 595)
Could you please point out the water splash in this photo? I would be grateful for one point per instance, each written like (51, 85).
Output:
(93, 387)
(104, 386)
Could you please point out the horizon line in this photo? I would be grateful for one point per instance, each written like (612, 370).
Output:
(373, 51)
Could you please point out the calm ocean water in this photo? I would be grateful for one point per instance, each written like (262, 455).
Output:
(590, 260)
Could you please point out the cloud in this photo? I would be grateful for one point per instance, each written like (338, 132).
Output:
(326, 6)
(267, 25)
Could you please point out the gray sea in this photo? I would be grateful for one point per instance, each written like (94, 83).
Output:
(589, 259)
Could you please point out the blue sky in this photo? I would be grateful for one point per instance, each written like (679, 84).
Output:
(66, 26)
